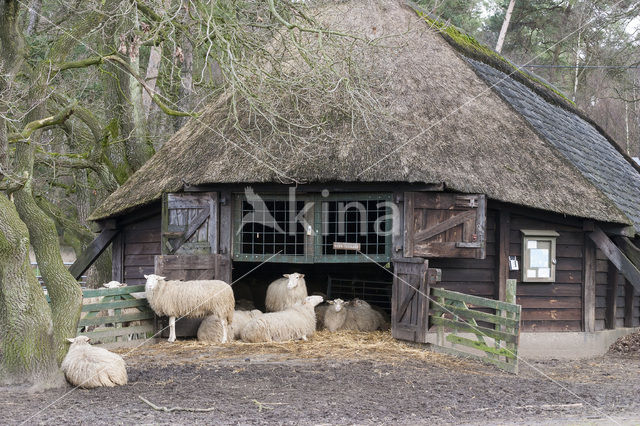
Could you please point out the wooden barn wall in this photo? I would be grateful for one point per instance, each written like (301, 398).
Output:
(472, 276)
(551, 306)
(141, 243)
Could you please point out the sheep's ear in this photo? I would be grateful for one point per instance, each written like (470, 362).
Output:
(301, 275)
(331, 302)
(286, 275)
(146, 277)
(70, 340)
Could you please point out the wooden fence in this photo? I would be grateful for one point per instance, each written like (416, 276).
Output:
(450, 312)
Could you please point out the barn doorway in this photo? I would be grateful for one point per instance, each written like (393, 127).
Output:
(371, 282)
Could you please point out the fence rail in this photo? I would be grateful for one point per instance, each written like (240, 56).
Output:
(452, 312)
(114, 316)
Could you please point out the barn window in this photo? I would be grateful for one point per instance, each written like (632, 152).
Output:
(538, 255)
(313, 228)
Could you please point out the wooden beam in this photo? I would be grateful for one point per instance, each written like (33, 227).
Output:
(616, 256)
(612, 296)
(117, 258)
(502, 253)
(441, 227)
(589, 287)
(621, 230)
(330, 186)
(629, 307)
(91, 253)
(629, 249)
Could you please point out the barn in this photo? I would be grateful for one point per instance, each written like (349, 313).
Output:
(483, 171)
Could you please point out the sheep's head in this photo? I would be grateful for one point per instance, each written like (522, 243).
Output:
(152, 281)
(312, 301)
(338, 304)
(80, 340)
(359, 303)
(295, 280)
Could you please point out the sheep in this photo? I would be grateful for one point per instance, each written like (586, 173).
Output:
(365, 317)
(89, 367)
(194, 299)
(241, 319)
(285, 292)
(296, 322)
(211, 330)
(335, 315)
(353, 315)
(320, 310)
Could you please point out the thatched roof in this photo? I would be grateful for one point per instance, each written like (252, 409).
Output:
(444, 125)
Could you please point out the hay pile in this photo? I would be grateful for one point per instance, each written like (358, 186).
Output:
(345, 345)
(628, 345)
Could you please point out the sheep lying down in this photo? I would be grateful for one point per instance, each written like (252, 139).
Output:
(296, 322)
(89, 367)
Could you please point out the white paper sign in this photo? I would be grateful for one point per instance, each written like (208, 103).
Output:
(532, 244)
(539, 258)
(531, 273)
(544, 273)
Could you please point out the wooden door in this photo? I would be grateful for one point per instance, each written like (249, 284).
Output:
(445, 225)
(409, 300)
(190, 223)
(191, 267)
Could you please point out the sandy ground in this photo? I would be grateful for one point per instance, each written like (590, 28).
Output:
(351, 378)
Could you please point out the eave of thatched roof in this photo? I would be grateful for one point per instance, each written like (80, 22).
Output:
(446, 126)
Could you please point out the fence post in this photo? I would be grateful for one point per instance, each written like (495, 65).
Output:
(511, 298)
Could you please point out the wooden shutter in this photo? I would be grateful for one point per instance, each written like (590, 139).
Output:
(409, 302)
(445, 225)
(190, 223)
(191, 267)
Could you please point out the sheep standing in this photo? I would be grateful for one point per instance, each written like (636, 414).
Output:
(89, 367)
(193, 299)
(285, 292)
(296, 322)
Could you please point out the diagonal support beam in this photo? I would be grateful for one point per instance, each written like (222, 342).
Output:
(616, 256)
(91, 253)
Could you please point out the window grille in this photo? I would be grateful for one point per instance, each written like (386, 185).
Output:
(376, 293)
(268, 229)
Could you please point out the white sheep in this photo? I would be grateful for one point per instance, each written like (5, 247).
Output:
(89, 367)
(285, 292)
(335, 315)
(241, 319)
(193, 299)
(353, 315)
(296, 322)
(211, 330)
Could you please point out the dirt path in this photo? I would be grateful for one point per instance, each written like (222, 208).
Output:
(291, 384)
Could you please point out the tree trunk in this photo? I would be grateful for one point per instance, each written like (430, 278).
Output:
(139, 149)
(153, 68)
(186, 82)
(27, 340)
(34, 16)
(505, 26)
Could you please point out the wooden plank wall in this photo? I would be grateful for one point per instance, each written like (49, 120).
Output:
(603, 304)
(551, 306)
(141, 242)
(472, 276)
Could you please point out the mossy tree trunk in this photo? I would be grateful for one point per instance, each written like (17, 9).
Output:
(26, 330)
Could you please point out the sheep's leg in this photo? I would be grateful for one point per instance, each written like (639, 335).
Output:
(172, 329)
(224, 331)
(304, 337)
